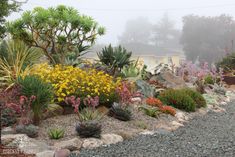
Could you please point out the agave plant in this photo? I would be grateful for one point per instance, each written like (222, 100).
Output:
(16, 59)
(56, 133)
(120, 113)
(89, 125)
(131, 70)
(88, 129)
(89, 114)
(152, 112)
(116, 58)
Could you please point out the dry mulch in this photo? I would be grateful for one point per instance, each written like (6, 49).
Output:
(109, 125)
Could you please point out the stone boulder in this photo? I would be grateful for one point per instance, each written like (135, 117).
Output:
(92, 143)
(47, 153)
(111, 138)
(169, 80)
(7, 130)
(62, 153)
(26, 144)
(73, 144)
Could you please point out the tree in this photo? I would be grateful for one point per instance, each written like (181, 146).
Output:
(208, 38)
(60, 32)
(137, 31)
(165, 34)
(7, 7)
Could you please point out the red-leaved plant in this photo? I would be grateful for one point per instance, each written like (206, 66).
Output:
(154, 102)
(168, 110)
(75, 102)
(91, 102)
(124, 93)
(25, 109)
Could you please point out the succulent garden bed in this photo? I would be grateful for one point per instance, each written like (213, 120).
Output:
(67, 103)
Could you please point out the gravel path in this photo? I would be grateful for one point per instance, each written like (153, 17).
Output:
(212, 135)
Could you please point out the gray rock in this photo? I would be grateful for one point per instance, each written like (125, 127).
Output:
(47, 153)
(92, 143)
(169, 80)
(8, 138)
(111, 138)
(73, 144)
(7, 130)
(62, 153)
(27, 145)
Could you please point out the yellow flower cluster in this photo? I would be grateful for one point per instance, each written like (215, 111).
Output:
(69, 80)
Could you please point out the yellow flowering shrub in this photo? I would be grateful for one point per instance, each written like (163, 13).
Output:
(69, 80)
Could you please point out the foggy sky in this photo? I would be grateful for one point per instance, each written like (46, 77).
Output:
(113, 14)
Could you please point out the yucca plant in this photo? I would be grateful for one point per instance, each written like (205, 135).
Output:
(16, 59)
(115, 57)
(152, 112)
(89, 125)
(56, 133)
(120, 113)
(33, 86)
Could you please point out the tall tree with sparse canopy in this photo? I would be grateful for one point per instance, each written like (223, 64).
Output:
(208, 38)
(61, 32)
(6, 8)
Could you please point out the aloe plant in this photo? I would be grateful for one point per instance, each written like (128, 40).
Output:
(115, 57)
(56, 133)
(152, 112)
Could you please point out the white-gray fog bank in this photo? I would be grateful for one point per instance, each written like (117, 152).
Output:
(113, 14)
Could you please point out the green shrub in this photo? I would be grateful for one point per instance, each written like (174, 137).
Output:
(8, 117)
(177, 99)
(228, 62)
(33, 86)
(209, 80)
(196, 96)
(30, 130)
(56, 133)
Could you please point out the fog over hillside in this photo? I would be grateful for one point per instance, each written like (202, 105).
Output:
(157, 27)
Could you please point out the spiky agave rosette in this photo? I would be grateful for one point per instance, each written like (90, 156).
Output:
(119, 112)
(89, 129)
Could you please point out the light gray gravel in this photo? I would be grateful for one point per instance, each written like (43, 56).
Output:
(212, 135)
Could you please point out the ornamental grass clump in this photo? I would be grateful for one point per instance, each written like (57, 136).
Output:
(41, 91)
(178, 99)
(69, 80)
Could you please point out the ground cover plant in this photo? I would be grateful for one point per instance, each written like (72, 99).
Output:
(178, 100)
